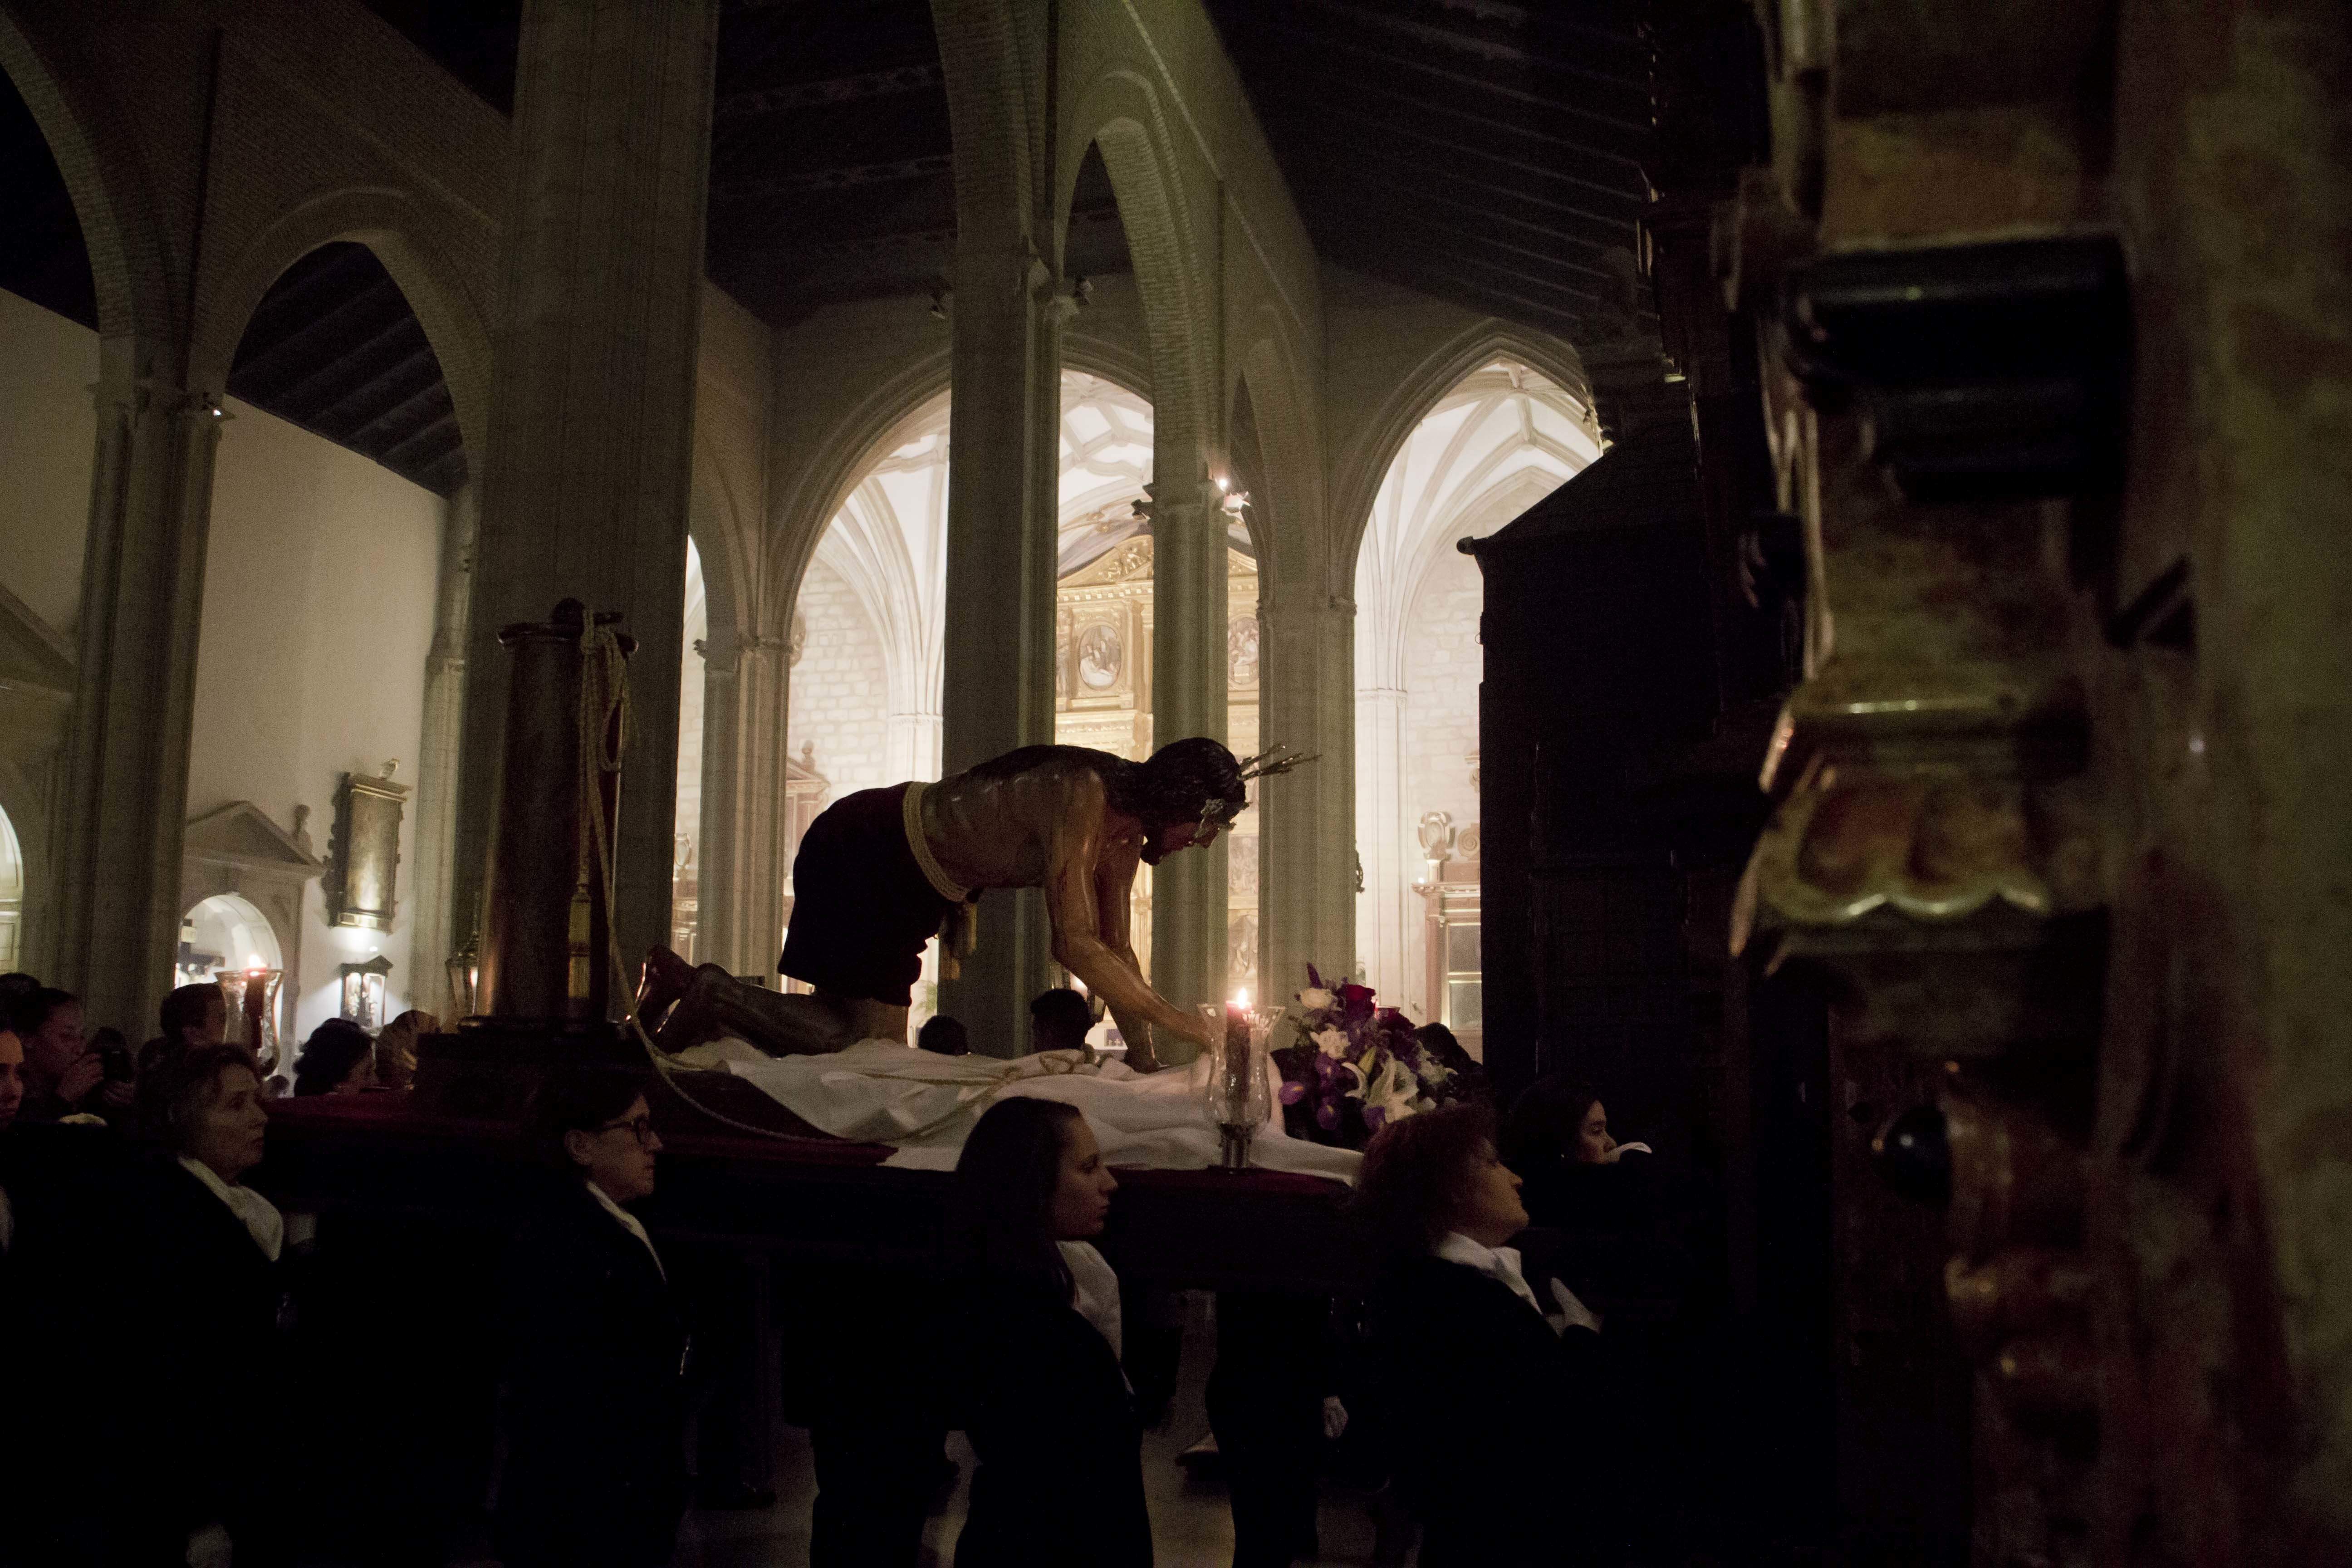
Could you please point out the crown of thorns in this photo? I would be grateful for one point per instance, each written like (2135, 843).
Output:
(1265, 765)
(1276, 763)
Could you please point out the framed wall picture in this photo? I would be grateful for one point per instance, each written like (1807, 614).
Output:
(363, 864)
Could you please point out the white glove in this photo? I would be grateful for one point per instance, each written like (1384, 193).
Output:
(1335, 1418)
(208, 1546)
(1573, 1313)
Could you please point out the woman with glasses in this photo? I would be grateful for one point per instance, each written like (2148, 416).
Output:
(595, 1396)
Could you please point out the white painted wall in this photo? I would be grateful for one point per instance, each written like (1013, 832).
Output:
(318, 615)
(47, 442)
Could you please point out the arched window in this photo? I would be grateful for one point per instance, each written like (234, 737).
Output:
(1500, 440)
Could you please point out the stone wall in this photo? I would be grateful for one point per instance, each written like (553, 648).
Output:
(836, 685)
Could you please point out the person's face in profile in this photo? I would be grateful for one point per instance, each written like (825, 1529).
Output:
(58, 1044)
(1082, 1191)
(11, 1076)
(1593, 1145)
(1195, 835)
(231, 1128)
(361, 1079)
(618, 1156)
(1487, 1209)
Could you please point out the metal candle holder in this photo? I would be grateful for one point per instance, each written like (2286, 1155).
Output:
(1237, 1093)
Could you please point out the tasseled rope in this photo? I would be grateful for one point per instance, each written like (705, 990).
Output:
(604, 738)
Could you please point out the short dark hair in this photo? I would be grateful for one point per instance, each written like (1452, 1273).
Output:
(1061, 1011)
(333, 1049)
(1414, 1170)
(182, 1085)
(185, 1008)
(579, 1100)
(1544, 1121)
(1000, 1219)
(1193, 780)
(944, 1035)
(33, 1010)
(15, 987)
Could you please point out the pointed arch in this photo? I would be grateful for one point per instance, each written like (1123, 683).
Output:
(1359, 474)
(450, 306)
(1119, 113)
(111, 201)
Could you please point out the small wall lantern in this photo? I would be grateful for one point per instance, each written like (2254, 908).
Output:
(364, 991)
(465, 981)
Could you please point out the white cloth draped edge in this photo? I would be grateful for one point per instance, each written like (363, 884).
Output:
(924, 1105)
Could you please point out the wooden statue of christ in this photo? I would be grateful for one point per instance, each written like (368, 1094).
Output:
(881, 872)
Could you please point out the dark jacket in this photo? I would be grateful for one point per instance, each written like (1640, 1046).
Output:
(64, 1283)
(1060, 1483)
(595, 1393)
(208, 1391)
(1493, 1414)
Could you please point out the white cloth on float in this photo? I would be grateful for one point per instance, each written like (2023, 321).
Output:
(924, 1105)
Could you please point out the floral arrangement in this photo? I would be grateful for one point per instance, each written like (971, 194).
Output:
(1355, 1067)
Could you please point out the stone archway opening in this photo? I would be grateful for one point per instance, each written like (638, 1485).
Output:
(339, 474)
(869, 624)
(49, 360)
(12, 897)
(1495, 444)
(686, 869)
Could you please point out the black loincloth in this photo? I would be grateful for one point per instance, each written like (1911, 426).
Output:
(862, 908)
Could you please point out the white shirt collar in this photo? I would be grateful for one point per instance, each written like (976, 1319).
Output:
(1095, 1284)
(629, 1222)
(256, 1214)
(1500, 1263)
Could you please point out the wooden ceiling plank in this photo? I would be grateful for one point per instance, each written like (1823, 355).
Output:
(1462, 41)
(1627, 141)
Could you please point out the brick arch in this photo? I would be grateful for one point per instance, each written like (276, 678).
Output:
(1359, 473)
(716, 524)
(1119, 113)
(1288, 525)
(395, 226)
(825, 481)
(110, 198)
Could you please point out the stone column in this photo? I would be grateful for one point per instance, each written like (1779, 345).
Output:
(1306, 882)
(998, 689)
(585, 482)
(123, 805)
(743, 866)
(1382, 915)
(1188, 698)
(437, 755)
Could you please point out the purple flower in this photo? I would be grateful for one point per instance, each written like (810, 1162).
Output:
(1327, 1116)
(1293, 1091)
(1374, 1117)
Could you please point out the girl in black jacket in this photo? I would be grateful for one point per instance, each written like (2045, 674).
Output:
(1495, 1384)
(1060, 1483)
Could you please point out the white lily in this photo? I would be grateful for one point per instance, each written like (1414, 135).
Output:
(1331, 1043)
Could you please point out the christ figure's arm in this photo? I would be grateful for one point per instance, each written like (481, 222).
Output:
(1089, 882)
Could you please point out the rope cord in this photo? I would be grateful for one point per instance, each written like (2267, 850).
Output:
(605, 718)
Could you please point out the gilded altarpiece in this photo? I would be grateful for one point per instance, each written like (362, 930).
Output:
(1102, 697)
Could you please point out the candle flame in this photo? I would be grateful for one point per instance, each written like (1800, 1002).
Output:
(253, 961)
(1241, 997)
